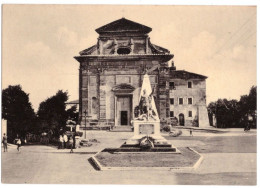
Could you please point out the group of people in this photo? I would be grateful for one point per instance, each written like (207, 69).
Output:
(65, 142)
(17, 141)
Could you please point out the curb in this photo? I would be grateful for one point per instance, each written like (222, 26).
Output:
(105, 168)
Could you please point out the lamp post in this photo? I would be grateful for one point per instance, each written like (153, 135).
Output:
(85, 113)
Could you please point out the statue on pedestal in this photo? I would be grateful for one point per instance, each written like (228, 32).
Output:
(146, 109)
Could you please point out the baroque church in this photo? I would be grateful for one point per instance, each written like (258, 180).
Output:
(111, 74)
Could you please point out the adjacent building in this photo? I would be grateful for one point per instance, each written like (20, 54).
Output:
(111, 73)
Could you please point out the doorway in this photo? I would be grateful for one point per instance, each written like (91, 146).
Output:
(123, 110)
(124, 118)
(181, 119)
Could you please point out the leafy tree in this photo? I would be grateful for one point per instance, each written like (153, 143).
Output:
(248, 105)
(52, 113)
(18, 111)
(233, 113)
(72, 114)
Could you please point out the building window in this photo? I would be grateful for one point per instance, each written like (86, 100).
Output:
(189, 100)
(190, 113)
(122, 51)
(94, 105)
(189, 84)
(172, 85)
(172, 101)
(180, 101)
(171, 113)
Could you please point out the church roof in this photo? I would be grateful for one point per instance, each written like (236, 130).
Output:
(182, 74)
(89, 50)
(123, 25)
(155, 49)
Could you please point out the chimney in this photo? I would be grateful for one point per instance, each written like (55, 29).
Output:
(172, 68)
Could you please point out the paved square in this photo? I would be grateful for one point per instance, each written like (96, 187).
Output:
(229, 159)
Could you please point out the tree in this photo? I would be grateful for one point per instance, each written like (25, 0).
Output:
(248, 105)
(52, 113)
(233, 113)
(18, 111)
(72, 114)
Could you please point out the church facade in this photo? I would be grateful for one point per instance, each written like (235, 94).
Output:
(111, 74)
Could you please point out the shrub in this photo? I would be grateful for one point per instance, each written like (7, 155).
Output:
(174, 121)
(175, 133)
(79, 134)
(167, 128)
(195, 122)
(163, 123)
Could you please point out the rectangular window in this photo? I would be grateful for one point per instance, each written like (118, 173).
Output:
(172, 101)
(171, 84)
(190, 113)
(189, 100)
(189, 84)
(171, 113)
(181, 101)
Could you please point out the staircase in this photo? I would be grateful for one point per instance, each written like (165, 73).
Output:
(122, 129)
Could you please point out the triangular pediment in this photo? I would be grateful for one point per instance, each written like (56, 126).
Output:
(123, 25)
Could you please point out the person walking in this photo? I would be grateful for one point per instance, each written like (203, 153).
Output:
(191, 132)
(4, 141)
(60, 142)
(71, 142)
(19, 142)
(65, 139)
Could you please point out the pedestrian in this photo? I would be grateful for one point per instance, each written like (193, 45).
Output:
(65, 139)
(4, 141)
(60, 142)
(18, 144)
(191, 132)
(71, 142)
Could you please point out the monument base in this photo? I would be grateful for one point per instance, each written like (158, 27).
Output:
(150, 129)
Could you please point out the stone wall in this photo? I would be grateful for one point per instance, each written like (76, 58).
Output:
(98, 85)
(198, 96)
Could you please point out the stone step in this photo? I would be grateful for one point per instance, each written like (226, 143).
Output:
(122, 129)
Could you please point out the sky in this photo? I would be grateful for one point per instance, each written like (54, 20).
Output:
(40, 41)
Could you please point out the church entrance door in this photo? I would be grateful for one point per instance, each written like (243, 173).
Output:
(123, 110)
(124, 119)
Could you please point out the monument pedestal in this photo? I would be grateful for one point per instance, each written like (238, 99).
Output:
(150, 129)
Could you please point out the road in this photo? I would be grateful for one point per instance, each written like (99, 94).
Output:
(45, 164)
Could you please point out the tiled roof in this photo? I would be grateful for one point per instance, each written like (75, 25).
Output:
(182, 74)
(89, 50)
(157, 49)
(73, 102)
(123, 25)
